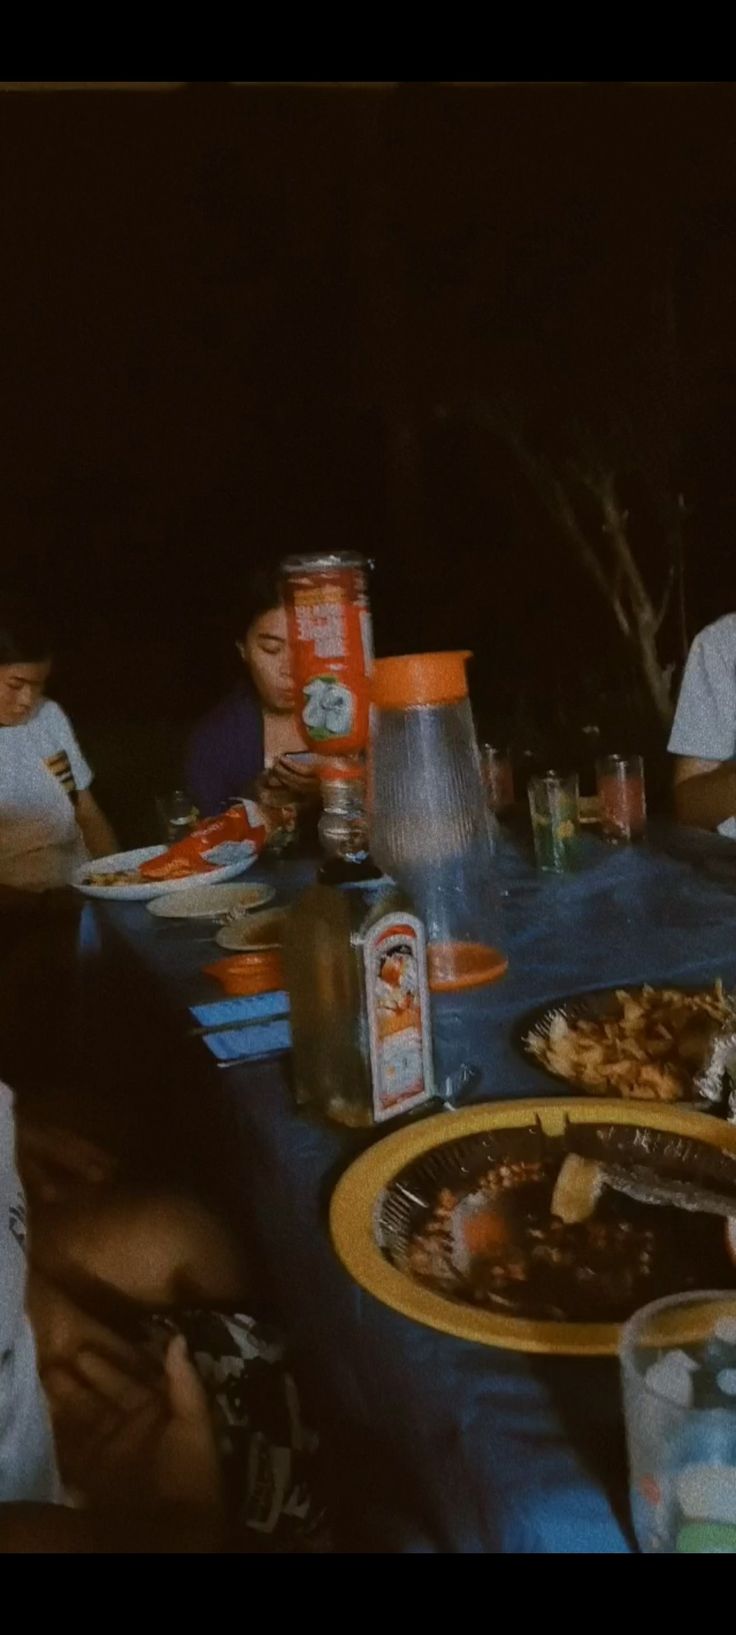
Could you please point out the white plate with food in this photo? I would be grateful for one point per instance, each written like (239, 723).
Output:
(212, 902)
(262, 930)
(117, 878)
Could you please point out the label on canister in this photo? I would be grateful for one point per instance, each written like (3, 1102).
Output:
(395, 956)
(331, 641)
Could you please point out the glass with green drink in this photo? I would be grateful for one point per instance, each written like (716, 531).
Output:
(553, 803)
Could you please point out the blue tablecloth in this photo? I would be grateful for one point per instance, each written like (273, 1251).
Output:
(452, 1446)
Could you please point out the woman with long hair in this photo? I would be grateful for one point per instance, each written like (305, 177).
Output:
(254, 729)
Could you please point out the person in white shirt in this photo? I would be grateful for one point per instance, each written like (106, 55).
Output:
(703, 737)
(49, 819)
(27, 1462)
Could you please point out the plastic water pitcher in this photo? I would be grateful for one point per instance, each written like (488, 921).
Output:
(431, 831)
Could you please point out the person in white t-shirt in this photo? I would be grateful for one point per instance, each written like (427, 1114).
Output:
(49, 819)
(27, 1462)
(703, 737)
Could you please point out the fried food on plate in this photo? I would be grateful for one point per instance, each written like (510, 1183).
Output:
(647, 1049)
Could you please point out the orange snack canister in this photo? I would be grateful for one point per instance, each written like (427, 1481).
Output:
(331, 639)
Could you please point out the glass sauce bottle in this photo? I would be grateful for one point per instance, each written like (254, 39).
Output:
(356, 967)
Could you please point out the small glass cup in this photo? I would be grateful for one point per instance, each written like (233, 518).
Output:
(678, 1362)
(498, 777)
(553, 803)
(177, 816)
(621, 796)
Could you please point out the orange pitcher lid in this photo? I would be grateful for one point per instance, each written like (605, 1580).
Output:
(420, 678)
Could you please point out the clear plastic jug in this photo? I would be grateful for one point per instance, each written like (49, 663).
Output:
(429, 824)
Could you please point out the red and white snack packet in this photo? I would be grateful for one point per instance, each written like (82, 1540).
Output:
(211, 844)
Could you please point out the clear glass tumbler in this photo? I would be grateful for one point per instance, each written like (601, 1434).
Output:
(678, 1362)
(498, 776)
(553, 804)
(177, 816)
(621, 796)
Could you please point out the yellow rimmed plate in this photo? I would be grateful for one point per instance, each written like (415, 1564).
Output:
(359, 1197)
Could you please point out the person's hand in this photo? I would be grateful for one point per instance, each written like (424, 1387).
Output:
(300, 777)
(54, 1164)
(63, 1329)
(283, 799)
(140, 1444)
(62, 901)
(35, 908)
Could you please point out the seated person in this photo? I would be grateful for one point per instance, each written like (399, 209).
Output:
(251, 729)
(703, 737)
(50, 822)
(115, 1273)
(169, 1494)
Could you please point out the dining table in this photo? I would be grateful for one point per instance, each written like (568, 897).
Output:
(437, 1445)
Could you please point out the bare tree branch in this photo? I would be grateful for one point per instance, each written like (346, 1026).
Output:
(664, 605)
(587, 556)
(620, 580)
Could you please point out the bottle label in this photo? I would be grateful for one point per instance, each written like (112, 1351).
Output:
(395, 955)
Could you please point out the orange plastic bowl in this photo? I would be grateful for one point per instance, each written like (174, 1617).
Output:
(258, 971)
(455, 965)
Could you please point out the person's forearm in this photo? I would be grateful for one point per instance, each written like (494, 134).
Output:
(708, 798)
(40, 1529)
(99, 835)
(12, 897)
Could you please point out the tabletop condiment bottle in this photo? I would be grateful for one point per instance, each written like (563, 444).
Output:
(342, 826)
(356, 968)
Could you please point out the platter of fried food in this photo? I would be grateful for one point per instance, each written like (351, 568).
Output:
(644, 1044)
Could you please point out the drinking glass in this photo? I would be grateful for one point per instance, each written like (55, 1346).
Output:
(498, 776)
(177, 816)
(621, 796)
(678, 1362)
(553, 803)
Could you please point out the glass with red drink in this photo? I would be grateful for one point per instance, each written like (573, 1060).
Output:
(622, 799)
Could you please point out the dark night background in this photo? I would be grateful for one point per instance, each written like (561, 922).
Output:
(237, 322)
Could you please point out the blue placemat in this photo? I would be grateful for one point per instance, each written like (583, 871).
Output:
(265, 1030)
